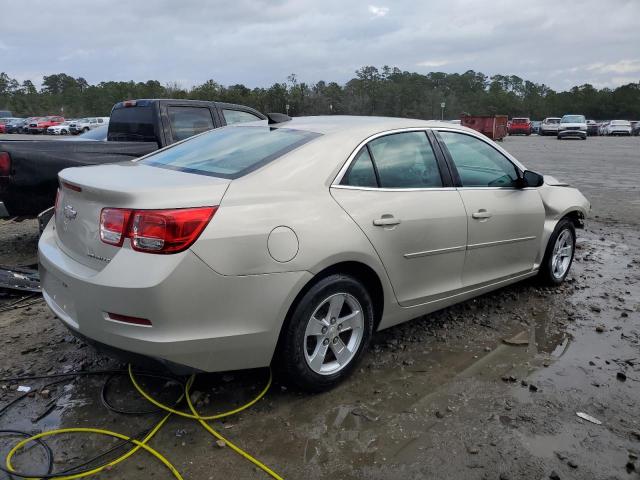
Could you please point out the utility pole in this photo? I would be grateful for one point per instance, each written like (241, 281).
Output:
(442, 105)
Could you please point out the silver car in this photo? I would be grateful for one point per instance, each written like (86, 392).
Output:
(291, 243)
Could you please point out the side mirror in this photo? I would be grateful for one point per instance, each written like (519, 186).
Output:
(532, 179)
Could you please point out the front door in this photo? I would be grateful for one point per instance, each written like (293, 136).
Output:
(505, 223)
(394, 191)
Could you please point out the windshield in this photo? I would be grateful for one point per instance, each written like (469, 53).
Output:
(230, 152)
(573, 119)
(552, 120)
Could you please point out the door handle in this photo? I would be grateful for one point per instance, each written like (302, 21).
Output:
(482, 213)
(386, 221)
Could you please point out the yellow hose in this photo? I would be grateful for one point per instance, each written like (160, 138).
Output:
(139, 444)
(202, 419)
(143, 443)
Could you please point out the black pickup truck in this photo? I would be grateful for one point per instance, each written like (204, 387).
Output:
(29, 168)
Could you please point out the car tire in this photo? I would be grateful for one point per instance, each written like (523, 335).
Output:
(556, 264)
(312, 328)
(559, 137)
(85, 130)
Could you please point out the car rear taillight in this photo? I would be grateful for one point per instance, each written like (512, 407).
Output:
(154, 231)
(113, 225)
(5, 164)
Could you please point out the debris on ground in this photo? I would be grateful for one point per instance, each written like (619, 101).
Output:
(521, 338)
(588, 418)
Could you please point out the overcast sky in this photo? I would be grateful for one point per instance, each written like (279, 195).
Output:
(258, 42)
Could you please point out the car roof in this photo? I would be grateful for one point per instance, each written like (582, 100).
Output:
(360, 125)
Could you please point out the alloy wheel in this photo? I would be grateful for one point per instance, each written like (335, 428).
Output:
(562, 254)
(333, 334)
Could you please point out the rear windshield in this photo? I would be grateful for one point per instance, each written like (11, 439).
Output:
(573, 119)
(230, 152)
(131, 124)
(520, 120)
(620, 122)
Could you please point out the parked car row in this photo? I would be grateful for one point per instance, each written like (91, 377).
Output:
(617, 128)
(572, 126)
(51, 125)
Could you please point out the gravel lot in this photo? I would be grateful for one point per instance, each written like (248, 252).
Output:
(439, 397)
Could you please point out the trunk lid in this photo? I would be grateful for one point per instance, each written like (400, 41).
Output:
(84, 192)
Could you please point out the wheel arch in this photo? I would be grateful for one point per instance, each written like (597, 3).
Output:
(359, 270)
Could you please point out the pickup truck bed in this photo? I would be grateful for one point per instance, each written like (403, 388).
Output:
(32, 187)
(136, 128)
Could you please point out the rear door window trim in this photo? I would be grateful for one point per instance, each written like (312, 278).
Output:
(447, 183)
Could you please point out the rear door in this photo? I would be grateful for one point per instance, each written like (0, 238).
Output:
(505, 223)
(399, 193)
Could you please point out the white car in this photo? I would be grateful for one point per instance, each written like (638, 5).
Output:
(292, 243)
(618, 127)
(572, 126)
(89, 123)
(61, 129)
(549, 126)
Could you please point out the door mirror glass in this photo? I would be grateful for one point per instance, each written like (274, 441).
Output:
(532, 179)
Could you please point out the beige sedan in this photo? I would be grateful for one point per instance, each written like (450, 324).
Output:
(291, 243)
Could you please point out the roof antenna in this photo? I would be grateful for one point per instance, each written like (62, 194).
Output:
(277, 118)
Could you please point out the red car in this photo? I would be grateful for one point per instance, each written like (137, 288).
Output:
(2, 127)
(41, 124)
(520, 126)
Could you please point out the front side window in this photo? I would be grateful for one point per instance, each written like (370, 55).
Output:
(479, 164)
(189, 121)
(405, 160)
(361, 172)
(237, 116)
(230, 152)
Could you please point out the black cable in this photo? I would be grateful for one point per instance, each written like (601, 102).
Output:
(105, 402)
(40, 442)
(58, 474)
(79, 469)
(79, 373)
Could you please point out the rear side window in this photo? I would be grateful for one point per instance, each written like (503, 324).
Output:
(405, 160)
(189, 121)
(237, 116)
(361, 172)
(132, 124)
(230, 152)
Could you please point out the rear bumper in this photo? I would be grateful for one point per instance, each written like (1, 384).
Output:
(200, 319)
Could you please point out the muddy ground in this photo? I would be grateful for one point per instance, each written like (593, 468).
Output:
(440, 397)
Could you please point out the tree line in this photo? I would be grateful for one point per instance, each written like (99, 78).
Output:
(373, 91)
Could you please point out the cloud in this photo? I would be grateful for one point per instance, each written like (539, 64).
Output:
(433, 63)
(378, 11)
(75, 54)
(620, 67)
(259, 42)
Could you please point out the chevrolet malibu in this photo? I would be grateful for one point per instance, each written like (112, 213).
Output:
(292, 243)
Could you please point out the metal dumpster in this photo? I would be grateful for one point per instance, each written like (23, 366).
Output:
(493, 126)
